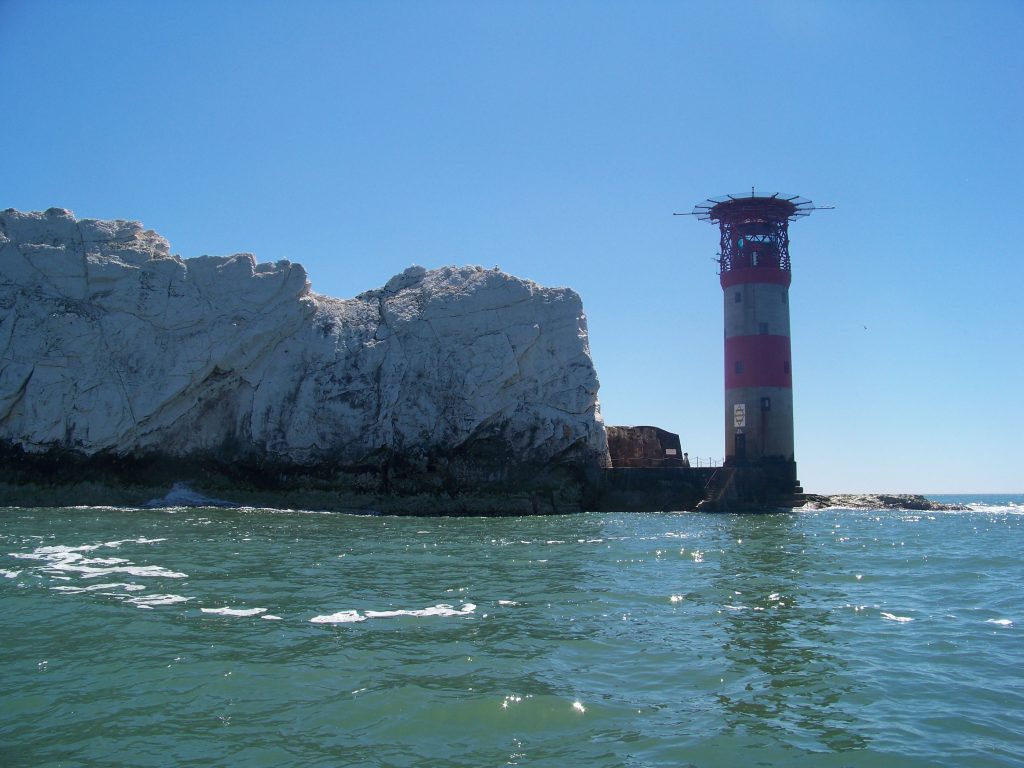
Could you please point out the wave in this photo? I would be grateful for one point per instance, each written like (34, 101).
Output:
(894, 617)
(181, 495)
(1010, 508)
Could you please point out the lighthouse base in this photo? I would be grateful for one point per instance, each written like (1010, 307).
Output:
(762, 487)
(756, 487)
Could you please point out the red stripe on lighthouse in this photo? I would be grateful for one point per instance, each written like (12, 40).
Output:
(758, 361)
(744, 275)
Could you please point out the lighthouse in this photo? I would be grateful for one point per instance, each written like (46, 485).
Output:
(755, 274)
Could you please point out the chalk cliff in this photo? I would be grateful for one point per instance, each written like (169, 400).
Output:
(111, 345)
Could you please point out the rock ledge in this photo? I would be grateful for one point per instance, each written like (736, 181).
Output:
(912, 502)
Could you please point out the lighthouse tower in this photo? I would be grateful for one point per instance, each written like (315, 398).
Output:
(755, 277)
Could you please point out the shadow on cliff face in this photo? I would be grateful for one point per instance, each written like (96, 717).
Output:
(481, 478)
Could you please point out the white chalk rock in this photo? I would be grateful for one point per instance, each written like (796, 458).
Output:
(110, 343)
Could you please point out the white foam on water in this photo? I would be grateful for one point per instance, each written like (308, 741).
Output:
(351, 617)
(507, 602)
(676, 598)
(148, 601)
(234, 611)
(70, 564)
(9, 574)
(46, 553)
(990, 507)
(286, 511)
(90, 568)
(342, 617)
(270, 617)
(892, 617)
(127, 587)
(144, 571)
(65, 559)
(140, 540)
(435, 610)
(103, 508)
(1000, 622)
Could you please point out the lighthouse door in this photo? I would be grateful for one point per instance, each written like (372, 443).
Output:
(740, 446)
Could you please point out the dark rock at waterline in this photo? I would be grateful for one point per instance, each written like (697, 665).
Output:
(481, 479)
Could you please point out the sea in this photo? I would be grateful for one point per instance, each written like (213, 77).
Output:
(202, 636)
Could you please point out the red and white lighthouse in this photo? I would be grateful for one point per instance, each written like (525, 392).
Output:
(755, 277)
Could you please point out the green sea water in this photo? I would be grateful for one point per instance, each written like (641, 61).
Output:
(251, 637)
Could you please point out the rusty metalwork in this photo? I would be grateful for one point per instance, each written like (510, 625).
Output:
(754, 228)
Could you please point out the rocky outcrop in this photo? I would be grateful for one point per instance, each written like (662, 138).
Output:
(112, 346)
(908, 501)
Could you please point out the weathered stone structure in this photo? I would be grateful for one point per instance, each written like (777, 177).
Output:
(644, 447)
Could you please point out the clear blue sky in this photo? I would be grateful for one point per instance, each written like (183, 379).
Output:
(555, 140)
